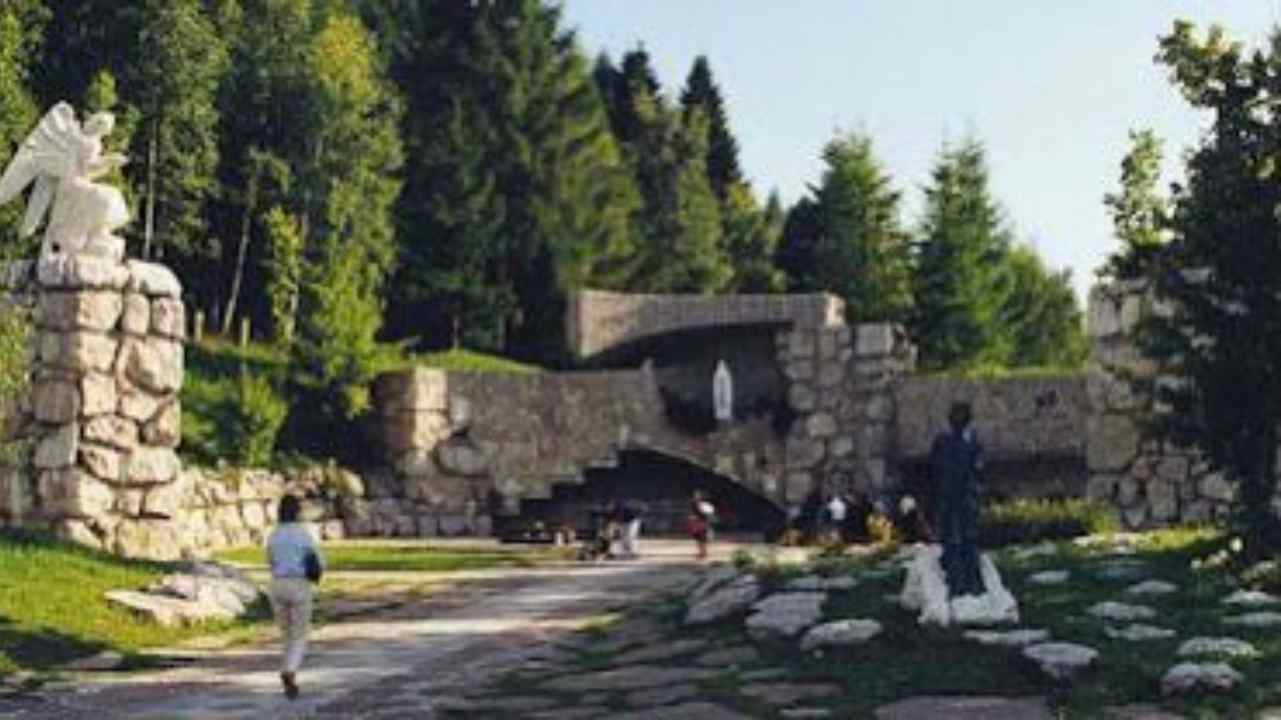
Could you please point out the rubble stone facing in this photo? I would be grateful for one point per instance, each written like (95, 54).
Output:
(1149, 482)
(107, 353)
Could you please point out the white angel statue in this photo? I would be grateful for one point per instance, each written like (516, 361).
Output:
(63, 159)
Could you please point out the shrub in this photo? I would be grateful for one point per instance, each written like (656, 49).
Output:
(261, 413)
(1022, 521)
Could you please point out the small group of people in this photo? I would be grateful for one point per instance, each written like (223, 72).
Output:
(618, 532)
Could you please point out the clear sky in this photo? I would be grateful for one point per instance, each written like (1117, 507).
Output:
(1050, 86)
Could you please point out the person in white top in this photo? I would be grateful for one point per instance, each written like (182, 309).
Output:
(295, 563)
(836, 516)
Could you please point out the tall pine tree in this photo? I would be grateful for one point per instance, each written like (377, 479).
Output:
(509, 130)
(1139, 211)
(702, 93)
(1042, 314)
(855, 245)
(345, 195)
(175, 148)
(961, 279)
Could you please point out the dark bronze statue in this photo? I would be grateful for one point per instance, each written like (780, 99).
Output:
(955, 462)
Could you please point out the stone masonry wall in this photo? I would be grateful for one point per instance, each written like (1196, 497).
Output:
(103, 413)
(841, 389)
(1150, 482)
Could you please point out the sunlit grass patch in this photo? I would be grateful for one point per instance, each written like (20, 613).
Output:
(53, 607)
(410, 557)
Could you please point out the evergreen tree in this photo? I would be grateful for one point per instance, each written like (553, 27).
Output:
(961, 278)
(679, 217)
(848, 239)
(751, 241)
(18, 113)
(801, 232)
(266, 110)
(345, 198)
(702, 93)
(1221, 275)
(1042, 314)
(176, 143)
(1139, 212)
(619, 88)
(512, 126)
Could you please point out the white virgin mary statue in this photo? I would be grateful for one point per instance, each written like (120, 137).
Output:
(722, 393)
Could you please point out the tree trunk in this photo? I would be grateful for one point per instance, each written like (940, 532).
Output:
(246, 222)
(149, 226)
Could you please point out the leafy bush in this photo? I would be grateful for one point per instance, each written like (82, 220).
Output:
(261, 413)
(1022, 521)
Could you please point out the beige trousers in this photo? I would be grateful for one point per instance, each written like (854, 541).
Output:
(291, 604)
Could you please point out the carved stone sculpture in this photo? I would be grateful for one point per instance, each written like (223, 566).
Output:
(62, 159)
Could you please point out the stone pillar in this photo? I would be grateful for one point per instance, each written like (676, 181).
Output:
(1149, 482)
(104, 414)
(882, 355)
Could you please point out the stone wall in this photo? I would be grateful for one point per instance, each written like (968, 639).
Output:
(1032, 430)
(1150, 482)
(232, 507)
(598, 321)
(841, 388)
(102, 414)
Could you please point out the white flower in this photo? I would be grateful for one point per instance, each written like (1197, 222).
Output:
(1236, 545)
(906, 505)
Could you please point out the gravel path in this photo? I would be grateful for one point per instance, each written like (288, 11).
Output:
(396, 665)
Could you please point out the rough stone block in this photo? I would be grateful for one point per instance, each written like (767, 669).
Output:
(153, 280)
(135, 403)
(70, 492)
(801, 397)
(1112, 442)
(55, 401)
(154, 364)
(462, 458)
(798, 486)
(803, 454)
(129, 502)
(57, 449)
(80, 271)
(831, 375)
(165, 428)
(95, 310)
(78, 351)
(102, 462)
(801, 343)
(874, 339)
(112, 430)
(414, 390)
(168, 318)
(820, 425)
(149, 539)
(136, 318)
(151, 466)
(98, 395)
(415, 430)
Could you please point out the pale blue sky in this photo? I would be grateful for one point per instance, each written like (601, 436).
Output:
(1050, 86)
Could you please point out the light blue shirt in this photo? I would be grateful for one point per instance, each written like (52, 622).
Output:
(287, 550)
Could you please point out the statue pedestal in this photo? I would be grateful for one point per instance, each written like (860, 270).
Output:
(103, 412)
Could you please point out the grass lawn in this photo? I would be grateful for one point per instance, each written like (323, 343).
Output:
(411, 557)
(907, 660)
(52, 608)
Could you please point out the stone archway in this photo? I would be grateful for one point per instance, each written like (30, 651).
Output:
(662, 484)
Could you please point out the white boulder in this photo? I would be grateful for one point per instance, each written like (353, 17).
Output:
(1061, 660)
(1189, 676)
(1121, 612)
(1139, 632)
(1008, 638)
(925, 590)
(1152, 587)
(1229, 646)
(840, 632)
(733, 597)
(785, 614)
